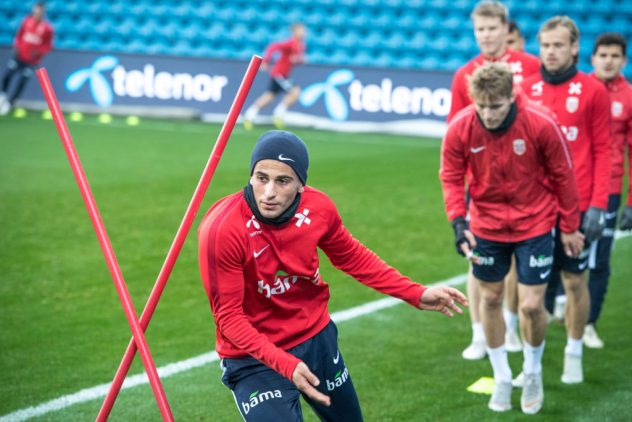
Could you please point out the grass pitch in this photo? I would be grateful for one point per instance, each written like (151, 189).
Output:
(63, 328)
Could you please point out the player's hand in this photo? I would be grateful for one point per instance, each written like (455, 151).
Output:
(594, 223)
(573, 243)
(305, 381)
(442, 299)
(626, 218)
(463, 239)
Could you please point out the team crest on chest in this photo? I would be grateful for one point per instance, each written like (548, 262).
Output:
(572, 104)
(617, 108)
(519, 146)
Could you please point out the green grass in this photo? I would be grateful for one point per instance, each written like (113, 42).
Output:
(63, 328)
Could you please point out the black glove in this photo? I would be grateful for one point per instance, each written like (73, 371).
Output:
(594, 223)
(460, 225)
(626, 218)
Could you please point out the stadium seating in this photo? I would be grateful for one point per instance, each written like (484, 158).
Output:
(409, 34)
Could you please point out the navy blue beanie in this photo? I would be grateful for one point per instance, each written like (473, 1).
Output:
(283, 146)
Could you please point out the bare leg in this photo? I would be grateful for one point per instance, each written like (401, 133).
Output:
(491, 312)
(511, 287)
(577, 303)
(473, 296)
(532, 313)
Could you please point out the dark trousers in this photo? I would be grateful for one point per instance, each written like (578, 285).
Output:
(24, 71)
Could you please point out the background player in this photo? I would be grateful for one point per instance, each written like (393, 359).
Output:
(514, 39)
(519, 170)
(608, 59)
(581, 105)
(292, 52)
(489, 19)
(260, 269)
(33, 41)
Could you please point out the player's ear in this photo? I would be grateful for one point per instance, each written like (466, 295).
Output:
(301, 189)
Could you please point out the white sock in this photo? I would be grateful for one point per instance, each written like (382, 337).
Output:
(511, 319)
(478, 335)
(252, 112)
(279, 110)
(532, 358)
(574, 347)
(500, 364)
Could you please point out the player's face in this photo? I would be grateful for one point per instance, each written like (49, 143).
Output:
(299, 32)
(608, 61)
(514, 41)
(556, 50)
(493, 111)
(275, 186)
(490, 33)
(38, 12)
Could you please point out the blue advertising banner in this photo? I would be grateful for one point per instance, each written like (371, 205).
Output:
(341, 94)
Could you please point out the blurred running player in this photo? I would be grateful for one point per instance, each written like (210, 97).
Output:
(291, 53)
(33, 41)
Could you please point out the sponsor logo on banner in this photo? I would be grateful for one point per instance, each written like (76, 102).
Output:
(385, 97)
(572, 104)
(147, 82)
(519, 146)
(617, 108)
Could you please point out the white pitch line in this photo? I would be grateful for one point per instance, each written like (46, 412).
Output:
(166, 371)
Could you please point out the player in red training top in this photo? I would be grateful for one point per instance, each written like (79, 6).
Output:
(518, 169)
(32, 42)
(608, 58)
(581, 105)
(260, 269)
(489, 19)
(291, 52)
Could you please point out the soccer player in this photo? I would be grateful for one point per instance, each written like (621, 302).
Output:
(514, 39)
(260, 269)
(582, 107)
(32, 42)
(489, 19)
(519, 169)
(608, 58)
(292, 52)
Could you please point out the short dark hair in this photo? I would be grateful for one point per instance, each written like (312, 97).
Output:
(611, 38)
(513, 26)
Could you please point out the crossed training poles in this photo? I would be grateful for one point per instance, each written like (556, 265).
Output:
(138, 327)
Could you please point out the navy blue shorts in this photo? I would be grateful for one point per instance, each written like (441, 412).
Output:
(534, 259)
(262, 394)
(279, 83)
(563, 262)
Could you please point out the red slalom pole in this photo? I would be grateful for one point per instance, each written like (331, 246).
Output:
(106, 246)
(181, 234)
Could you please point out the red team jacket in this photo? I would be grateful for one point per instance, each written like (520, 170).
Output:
(263, 282)
(292, 52)
(33, 40)
(581, 106)
(620, 92)
(522, 65)
(516, 178)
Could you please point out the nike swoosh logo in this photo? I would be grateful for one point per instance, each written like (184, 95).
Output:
(582, 266)
(477, 149)
(545, 274)
(259, 252)
(337, 358)
(282, 158)
(611, 215)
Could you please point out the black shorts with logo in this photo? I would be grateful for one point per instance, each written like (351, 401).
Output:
(534, 259)
(262, 394)
(279, 83)
(563, 262)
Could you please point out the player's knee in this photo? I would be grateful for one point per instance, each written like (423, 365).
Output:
(530, 308)
(492, 298)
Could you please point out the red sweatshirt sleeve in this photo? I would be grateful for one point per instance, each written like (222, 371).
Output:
(349, 255)
(559, 164)
(600, 136)
(460, 98)
(47, 42)
(222, 256)
(274, 47)
(17, 41)
(452, 174)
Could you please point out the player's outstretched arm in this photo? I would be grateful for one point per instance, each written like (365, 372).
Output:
(305, 381)
(442, 299)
